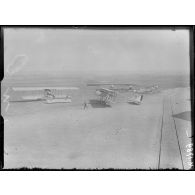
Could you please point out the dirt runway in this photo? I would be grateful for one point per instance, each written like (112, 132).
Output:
(123, 136)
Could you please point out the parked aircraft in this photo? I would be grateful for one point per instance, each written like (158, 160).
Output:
(125, 87)
(108, 95)
(136, 99)
(46, 95)
(143, 90)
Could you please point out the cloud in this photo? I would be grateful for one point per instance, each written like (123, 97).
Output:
(17, 64)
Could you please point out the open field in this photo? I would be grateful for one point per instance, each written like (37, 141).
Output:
(122, 136)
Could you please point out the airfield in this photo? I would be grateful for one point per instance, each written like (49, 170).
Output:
(153, 135)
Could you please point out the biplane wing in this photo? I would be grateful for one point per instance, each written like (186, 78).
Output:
(46, 94)
(117, 84)
(42, 88)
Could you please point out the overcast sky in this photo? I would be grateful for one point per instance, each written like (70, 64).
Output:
(28, 51)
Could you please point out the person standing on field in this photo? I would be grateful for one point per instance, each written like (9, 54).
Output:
(84, 105)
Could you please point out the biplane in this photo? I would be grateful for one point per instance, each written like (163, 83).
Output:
(136, 99)
(108, 95)
(114, 86)
(47, 95)
(143, 90)
(126, 87)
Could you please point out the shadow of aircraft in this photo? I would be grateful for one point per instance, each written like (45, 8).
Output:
(183, 115)
(97, 104)
(132, 103)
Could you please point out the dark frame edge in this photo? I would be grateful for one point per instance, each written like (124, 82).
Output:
(192, 56)
(191, 29)
(1, 78)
